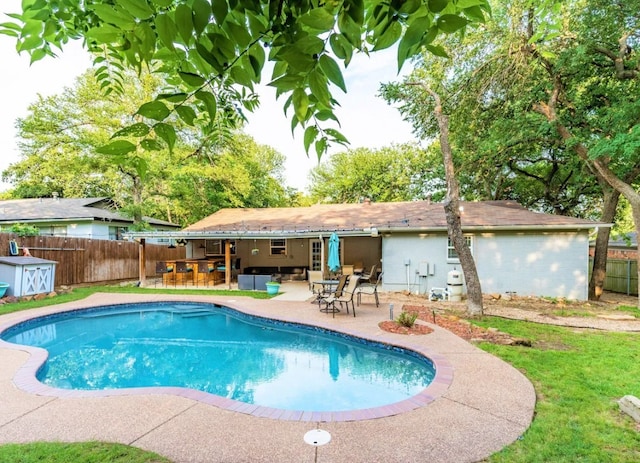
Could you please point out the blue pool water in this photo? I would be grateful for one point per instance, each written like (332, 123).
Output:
(220, 351)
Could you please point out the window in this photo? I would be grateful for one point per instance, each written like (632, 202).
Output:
(115, 233)
(216, 247)
(452, 255)
(278, 247)
(54, 230)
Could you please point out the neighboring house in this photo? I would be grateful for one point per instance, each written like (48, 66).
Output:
(622, 247)
(515, 250)
(75, 217)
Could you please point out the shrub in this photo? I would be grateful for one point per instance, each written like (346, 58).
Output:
(407, 318)
(22, 230)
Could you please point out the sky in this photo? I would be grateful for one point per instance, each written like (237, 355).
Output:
(366, 120)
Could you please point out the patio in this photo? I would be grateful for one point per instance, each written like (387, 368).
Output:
(484, 406)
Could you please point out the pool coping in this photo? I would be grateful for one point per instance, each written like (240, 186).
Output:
(477, 406)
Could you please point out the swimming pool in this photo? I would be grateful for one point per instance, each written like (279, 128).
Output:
(223, 352)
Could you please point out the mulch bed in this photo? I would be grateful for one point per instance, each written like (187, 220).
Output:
(456, 325)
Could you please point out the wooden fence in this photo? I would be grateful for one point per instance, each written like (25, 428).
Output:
(622, 276)
(83, 260)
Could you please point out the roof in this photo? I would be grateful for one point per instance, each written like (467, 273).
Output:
(367, 218)
(64, 210)
(24, 260)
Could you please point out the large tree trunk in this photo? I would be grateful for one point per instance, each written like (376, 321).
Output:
(452, 212)
(599, 268)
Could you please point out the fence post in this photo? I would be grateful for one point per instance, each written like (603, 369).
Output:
(142, 260)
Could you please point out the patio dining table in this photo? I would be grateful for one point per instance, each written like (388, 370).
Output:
(328, 287)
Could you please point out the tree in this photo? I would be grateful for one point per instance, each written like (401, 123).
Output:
(452, 210)
(405, 172)
(211, 48)
(215, 50)
(500, 78)
(184, 185)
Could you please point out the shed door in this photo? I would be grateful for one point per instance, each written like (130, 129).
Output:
(30, 281)
(36, 280)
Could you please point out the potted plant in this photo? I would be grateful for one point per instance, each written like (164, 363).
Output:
(272, 287)
(3, 288)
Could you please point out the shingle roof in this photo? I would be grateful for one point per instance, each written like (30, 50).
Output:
(63, 209)
(415, 215)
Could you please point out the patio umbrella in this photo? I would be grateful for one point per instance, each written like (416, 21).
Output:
(333, 261)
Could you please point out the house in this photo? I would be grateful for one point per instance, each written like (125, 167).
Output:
(515, 250)
(623, 247)
(74, 217)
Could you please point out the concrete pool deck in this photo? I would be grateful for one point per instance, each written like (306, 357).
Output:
(480, 406)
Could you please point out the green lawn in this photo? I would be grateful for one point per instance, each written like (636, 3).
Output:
(578, 375)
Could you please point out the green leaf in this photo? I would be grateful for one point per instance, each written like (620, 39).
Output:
(138, 8)
(389, 37)
(319, 19)
(321, 147)
(238, 33)
(166, 29)
(156, 110)
(139, 129)
(118, 147)
(173, 97)
(412, 38)
(167, 133)
(186, 113)
(318, 85)
(241, 76)
(150, 144)
(184, 22)
(474, 13)
(410, 6)
(201, 15)
(310, 135)
(337, 136)
(325, 115)
(106, 33)
(464, 4)
(209, 101)
(349, 29)
(451, 23)
(30, 43)
(300, 103)
(437, 5)
(332, 71)
(220, 10)
(162, 3)
(437, 50)
(112, 15)
(286, 83)
(192, 79)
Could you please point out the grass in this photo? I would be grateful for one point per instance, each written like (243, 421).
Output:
(578, 375)
(83, 292)
(85, 452)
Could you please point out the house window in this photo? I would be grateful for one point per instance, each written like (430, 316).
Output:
(452, 255)
(216, 247)
(54, 230)
(278, 247)
(115, 233)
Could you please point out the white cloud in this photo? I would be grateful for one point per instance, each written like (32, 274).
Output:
(367, 121)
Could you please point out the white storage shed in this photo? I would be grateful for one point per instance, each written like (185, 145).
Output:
(27, 275)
